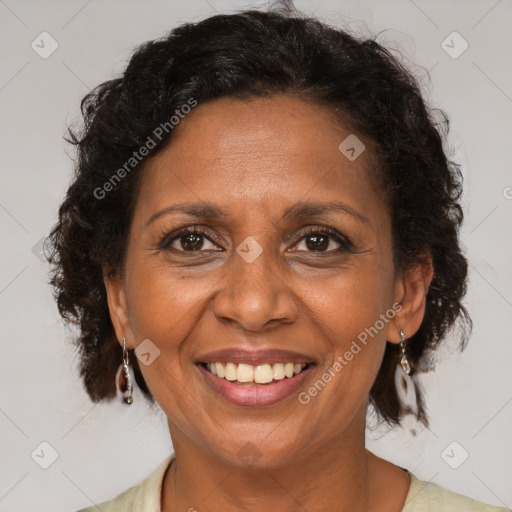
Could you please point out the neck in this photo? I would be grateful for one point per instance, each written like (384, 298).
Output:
(340, 475)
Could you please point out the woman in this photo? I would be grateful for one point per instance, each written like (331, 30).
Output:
(263, 228)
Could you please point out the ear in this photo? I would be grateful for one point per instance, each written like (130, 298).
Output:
(118, 307)
(411, 288)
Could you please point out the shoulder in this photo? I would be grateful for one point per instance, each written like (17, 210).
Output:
(430, 497)
(144, 496)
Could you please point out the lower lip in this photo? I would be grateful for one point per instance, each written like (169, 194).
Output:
(255, 395)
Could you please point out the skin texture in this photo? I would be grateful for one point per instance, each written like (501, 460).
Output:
(253, 159)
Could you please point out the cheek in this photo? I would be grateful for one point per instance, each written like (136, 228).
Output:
(163, 304)
(162, 308)
(165, 309)
(353, 300)
(352, 311)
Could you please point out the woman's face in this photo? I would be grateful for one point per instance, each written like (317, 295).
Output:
(291, 263)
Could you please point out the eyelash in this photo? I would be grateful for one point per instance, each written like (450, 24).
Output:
(345, 244)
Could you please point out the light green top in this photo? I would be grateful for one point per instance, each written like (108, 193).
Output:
(422, 497)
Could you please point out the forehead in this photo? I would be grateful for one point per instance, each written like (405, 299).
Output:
(265, 152)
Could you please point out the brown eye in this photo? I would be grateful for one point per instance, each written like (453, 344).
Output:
(317, 242)
(188, 240)
(322, 240)
(191, 242)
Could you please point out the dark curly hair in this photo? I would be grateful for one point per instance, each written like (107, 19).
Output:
(245, 55)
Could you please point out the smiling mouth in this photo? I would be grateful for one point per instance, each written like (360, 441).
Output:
(247, 374)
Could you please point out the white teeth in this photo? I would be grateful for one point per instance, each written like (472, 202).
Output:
(220, 370)
(278, 371)
(261, 374)
(245, 373)
(230, 372)
(289, 369)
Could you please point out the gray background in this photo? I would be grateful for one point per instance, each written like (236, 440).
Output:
(105, 448)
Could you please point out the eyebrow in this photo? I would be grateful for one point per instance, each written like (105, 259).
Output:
(300, 210)
(312, 209)
(199, 210)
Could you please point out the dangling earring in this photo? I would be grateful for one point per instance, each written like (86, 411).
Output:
(123, 378)
(404, 384)
(404, 363)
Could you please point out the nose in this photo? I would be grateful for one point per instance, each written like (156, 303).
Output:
(255, 295)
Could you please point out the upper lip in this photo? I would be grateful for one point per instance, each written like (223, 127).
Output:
(254, 357)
